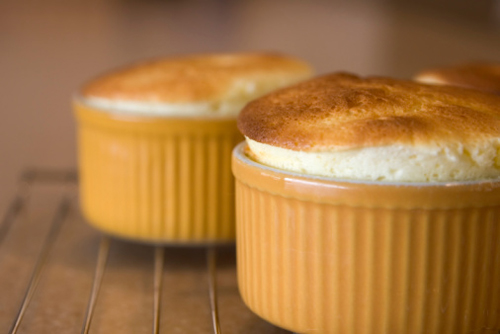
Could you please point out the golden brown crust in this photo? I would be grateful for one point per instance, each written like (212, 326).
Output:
(344, 111)
(197, 78)
(482, 76)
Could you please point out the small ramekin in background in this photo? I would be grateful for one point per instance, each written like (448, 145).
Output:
(483, 76)
(335, 254)
(155, 142)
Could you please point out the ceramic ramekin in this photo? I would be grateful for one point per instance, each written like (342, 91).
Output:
(317, 255)
(157, 179)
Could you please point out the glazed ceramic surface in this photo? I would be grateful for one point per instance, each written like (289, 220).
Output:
(317, 255)
(154, 179)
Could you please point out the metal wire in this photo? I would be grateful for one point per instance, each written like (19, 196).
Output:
(27, 178)
(102, 259)
(158, 280)
(14, 209)
(212, 288)
(59, 218)
(41, 175)
(53, 176)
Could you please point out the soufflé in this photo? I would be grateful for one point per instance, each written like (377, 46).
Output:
(370, 206)
(155, 141)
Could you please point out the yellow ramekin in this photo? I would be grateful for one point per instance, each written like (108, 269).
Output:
(157, 179)
(317, 255)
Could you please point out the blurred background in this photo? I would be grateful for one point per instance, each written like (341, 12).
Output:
(48, 48)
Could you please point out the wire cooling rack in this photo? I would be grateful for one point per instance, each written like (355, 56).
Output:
(58, 275)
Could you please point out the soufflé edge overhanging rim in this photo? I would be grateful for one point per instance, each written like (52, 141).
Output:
(133, 114)
(239, 153)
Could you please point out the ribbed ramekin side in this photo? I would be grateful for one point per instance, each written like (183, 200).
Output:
(318, 268)
(159, 188)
